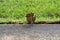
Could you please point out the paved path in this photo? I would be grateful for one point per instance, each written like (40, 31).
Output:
(30, 32)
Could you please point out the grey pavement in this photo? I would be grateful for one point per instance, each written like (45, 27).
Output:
(30, 32)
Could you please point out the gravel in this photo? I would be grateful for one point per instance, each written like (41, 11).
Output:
(29, 32)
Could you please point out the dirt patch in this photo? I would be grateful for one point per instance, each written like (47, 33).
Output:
(42, 22)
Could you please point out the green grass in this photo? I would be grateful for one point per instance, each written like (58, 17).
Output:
(45, 10)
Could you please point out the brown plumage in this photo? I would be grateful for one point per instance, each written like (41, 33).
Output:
(30, 18)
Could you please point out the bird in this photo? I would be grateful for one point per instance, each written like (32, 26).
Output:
(30, 18)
